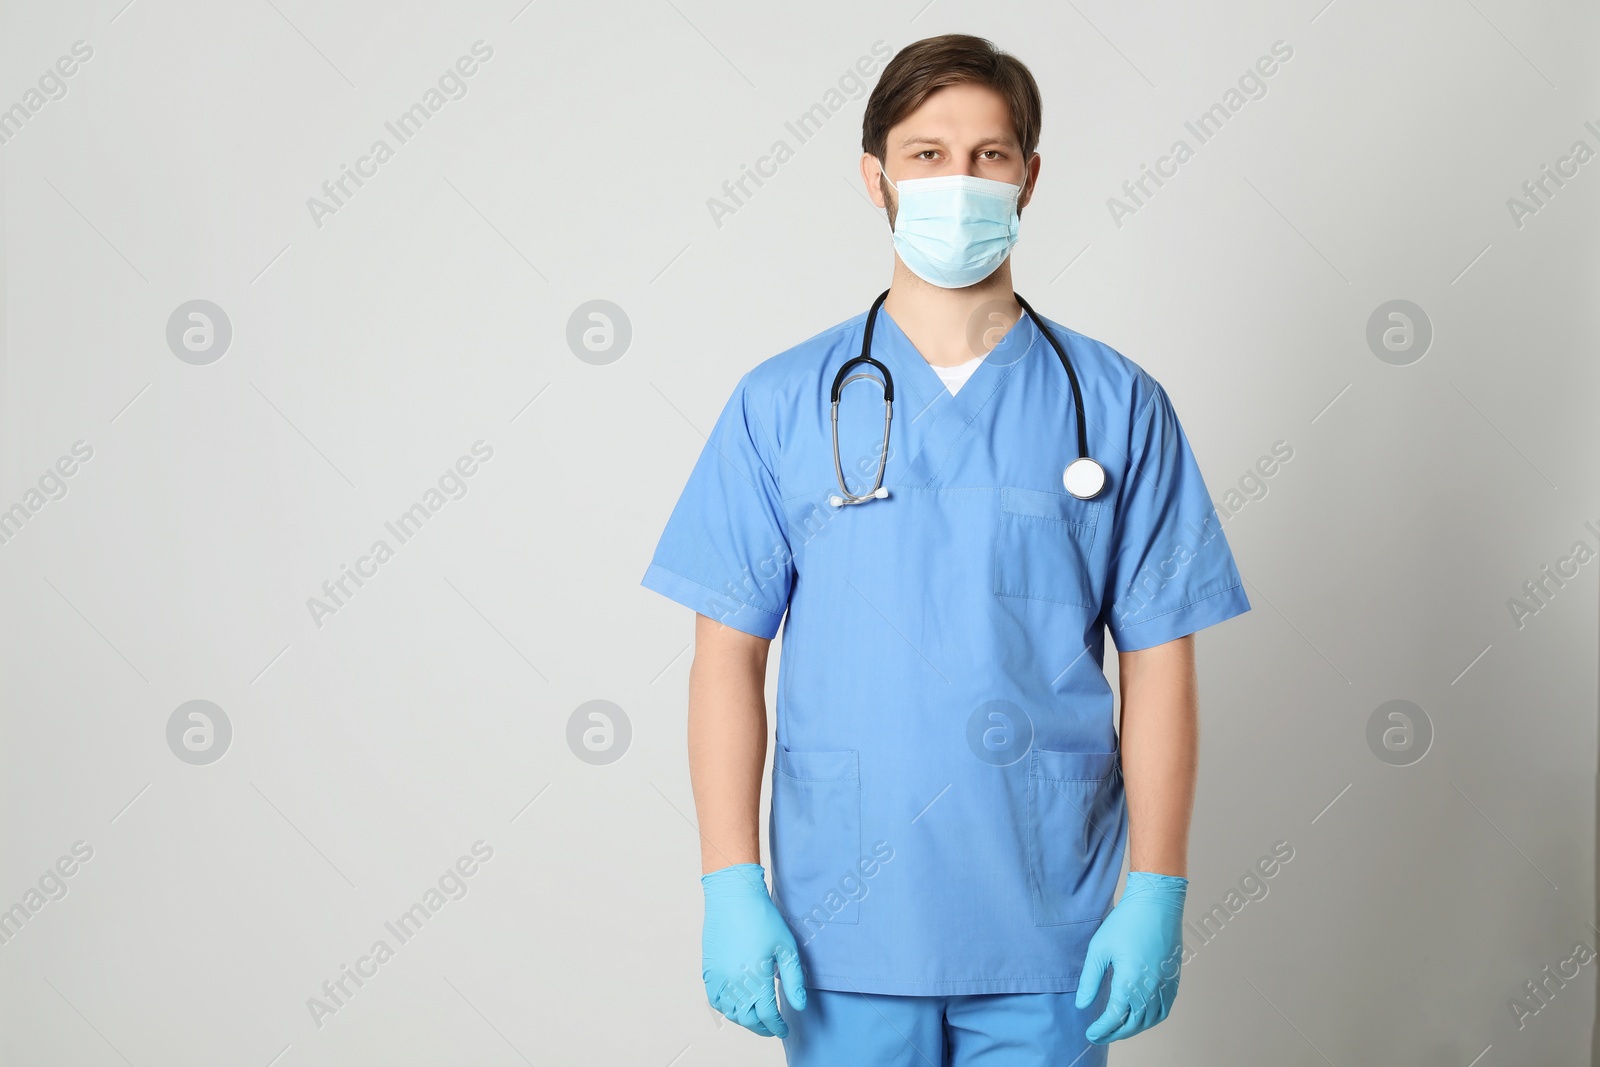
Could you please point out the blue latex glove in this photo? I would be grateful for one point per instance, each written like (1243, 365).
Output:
(1142, 942)
(742, 938)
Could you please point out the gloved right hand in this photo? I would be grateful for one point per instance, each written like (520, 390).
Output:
(743, 937)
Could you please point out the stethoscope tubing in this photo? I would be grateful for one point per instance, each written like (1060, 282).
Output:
(844, 378)
(1072, 375)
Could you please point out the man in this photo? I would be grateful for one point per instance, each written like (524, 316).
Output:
(951, 797)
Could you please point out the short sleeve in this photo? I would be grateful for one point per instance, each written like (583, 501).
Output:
(725, 552)
(1171, 572)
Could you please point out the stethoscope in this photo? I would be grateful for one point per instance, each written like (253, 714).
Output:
(1083, 477)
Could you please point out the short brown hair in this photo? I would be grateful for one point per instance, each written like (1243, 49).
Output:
(923, 67)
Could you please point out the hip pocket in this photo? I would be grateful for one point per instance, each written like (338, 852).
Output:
(1044, 546)
(816, 835)
(1077, 822)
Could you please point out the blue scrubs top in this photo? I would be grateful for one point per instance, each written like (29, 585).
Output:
(947, 803)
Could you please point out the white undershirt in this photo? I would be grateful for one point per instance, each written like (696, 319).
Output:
(955, 377)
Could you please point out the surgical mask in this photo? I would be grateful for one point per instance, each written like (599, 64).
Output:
(953, 231)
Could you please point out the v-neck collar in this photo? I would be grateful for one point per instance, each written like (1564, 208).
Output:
(932, 419)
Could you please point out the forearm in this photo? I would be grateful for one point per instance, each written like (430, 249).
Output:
(727, 742)
(1160, 753)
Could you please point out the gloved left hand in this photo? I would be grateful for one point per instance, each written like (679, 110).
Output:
(1142, 942)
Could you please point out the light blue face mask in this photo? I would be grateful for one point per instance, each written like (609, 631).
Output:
(953, 231)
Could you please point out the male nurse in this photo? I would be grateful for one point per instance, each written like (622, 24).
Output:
(953, 802)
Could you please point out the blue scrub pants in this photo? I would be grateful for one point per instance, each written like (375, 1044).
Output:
(839, 1029)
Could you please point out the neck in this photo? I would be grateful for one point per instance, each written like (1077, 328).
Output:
(951, 326)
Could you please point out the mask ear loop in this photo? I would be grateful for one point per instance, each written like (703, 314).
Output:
(883, 172)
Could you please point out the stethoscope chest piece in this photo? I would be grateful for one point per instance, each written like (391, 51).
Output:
(1084, 478)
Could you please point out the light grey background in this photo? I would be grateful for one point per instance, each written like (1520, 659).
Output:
(430, 312)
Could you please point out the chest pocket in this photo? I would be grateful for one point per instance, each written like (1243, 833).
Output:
(1044, 546)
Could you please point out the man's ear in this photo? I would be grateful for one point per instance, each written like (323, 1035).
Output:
(869, 177)
(1030, 181)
